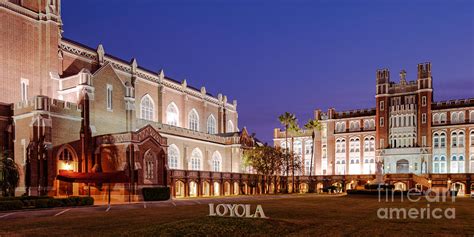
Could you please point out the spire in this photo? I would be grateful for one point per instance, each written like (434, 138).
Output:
(403, 75)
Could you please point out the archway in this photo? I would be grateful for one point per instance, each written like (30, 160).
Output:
(217, 191)
(226, 188)
(319, 187)
(193, 189)
(179, 189)
(459, 187)
(337, 187)
(236, 188)
(402, 166)
(304, 188)
(67, 160)
(206, 189)
(400, 186)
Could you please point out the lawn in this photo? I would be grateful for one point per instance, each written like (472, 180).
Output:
(302, 216)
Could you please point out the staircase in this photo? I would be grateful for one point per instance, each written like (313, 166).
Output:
(421, 180)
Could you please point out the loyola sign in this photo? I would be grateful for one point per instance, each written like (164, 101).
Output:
(236, 210)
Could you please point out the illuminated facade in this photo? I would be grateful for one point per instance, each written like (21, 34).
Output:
(407, 131)
(69, 110)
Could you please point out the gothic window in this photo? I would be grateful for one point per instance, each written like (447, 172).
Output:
(442, 118)
(471, 117)
(454, 117)
(196, 158)
(211, 124)
(193, 120)
(472, 138)
(147, 108)
(216, 162)
(24, 90)
(442, 140)
(173, 156)
(230, 126)
(109, 96)
(150, 165)
(461, 139)
(172, 114)
(454, 139)
(436, 119)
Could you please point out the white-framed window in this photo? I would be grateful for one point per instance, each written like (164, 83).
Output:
(471, 116)
(109, 97)
(457, 164)
(230, 126)
(216, 162)
(382, 105)
(173, 156)
(193, 120)
(472, 139)
(381, 121)
(147, 108)
(24, 89)
(172, 114)
(423, 101)
(461, 139)
(382, 143)
(196, 158)
(454, 139)
(439, 164)
(211, 124)
(423, 118)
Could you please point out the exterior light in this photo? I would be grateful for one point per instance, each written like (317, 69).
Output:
(429, 181)
(449, 181)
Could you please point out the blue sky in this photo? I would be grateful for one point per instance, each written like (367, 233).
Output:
(277, 56)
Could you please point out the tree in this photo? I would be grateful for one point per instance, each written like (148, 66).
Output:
(312, 125)
(10, 175)
(266, 161)
(287, 119)
(293, 130)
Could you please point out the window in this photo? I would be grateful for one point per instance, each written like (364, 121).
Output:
(382, 105)
(109, 96)
(147, 108)
(149, 160)
(423, 101)
(461, 117)
(442, 118)
(172, 114)
(423, 141)
(454, 139)
(443, 140)
(173, 156)
(471, 117)
(472, 138)
(24, 89)
(435, 141)
(211, 124)
(193, 120)
(382, 143)
(461, 139)
(436, 119)
(216, 162)
(196, 157)
(423, 118)
(230, 126)
(381, 121)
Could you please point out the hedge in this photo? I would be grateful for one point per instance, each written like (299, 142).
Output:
(16, 203)
(156, 193)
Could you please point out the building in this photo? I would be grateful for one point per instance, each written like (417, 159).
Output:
(420, 142)
(76, 118)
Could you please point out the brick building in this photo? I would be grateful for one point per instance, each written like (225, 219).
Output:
(67, 110)
(420, 142)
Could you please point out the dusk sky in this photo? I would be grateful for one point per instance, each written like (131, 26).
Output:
(277, 56)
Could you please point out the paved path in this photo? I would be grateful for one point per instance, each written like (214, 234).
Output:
(58, 212)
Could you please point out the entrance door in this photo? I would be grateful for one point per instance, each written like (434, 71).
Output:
(402, 166)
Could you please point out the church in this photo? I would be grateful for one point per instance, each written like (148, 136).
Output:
(76, 118)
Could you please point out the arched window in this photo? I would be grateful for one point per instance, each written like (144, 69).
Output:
(471, 117)
(147, 108)
(442, 118)
(442, 140)
(173, 156)
(461, 139)
(216, 162)
(230, 126)
(435, 140)
(211, 124)
(172, 114)
(193, 120)
(196, 159)
(461, 117)
(454, 139)
(436, 119)
(149, 161)
(471, 138)
(67, 159)
(454, 117)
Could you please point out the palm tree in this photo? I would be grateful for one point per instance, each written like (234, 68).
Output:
(10, 175)
(287, 119)
(312, 124)
(293, 129)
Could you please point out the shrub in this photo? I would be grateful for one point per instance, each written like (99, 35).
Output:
(156, 193)
(10, 205)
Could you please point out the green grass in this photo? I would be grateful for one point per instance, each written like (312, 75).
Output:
(302, 216)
